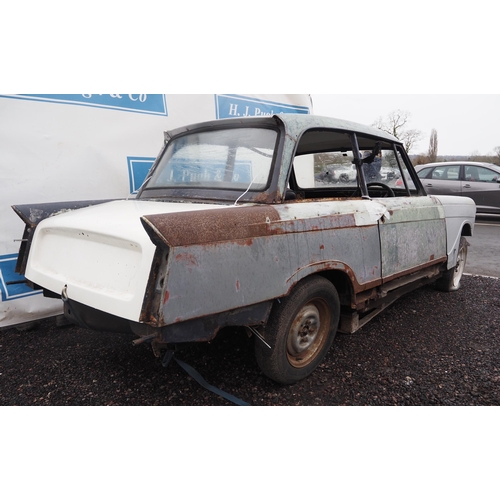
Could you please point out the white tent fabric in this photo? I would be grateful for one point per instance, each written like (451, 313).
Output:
(71, 147)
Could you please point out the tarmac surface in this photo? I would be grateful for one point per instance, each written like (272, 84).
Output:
(484, 252)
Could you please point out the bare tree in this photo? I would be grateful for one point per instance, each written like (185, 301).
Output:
(395, 124)
(475, 156)
(433, 146)
(497, 152)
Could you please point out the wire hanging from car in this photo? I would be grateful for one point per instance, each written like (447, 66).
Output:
(169, 355)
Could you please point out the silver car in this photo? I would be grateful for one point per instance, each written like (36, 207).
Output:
(479, 181)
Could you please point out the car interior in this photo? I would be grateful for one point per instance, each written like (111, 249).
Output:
(335, 164)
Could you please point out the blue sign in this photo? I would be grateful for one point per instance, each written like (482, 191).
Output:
(153, 104)
(235, 106)
(138, 168)
(11, 283)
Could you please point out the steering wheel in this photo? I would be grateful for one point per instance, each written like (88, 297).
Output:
(389, 193)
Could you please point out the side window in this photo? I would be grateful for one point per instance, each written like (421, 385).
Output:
(335, 169)
(424, 172)
(305, 167)
(388, 167)
(324, 161)
(405, 177)
(438, 173)
(480, 174)
(324, 166)
(447, 173)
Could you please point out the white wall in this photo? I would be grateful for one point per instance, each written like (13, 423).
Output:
(68, 147)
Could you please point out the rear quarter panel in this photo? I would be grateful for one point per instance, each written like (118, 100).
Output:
(254, 254)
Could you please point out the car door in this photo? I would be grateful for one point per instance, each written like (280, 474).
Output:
(444, 180)
(413, 229)
(412, 235)
(482, 185)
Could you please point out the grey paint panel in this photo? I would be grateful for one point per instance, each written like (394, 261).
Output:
(207, 279)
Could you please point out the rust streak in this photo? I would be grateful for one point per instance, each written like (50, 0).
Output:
(246, 243)
(213, 226)
(239, 225)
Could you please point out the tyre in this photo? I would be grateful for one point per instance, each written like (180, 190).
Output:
(450, 281)
(300, 331)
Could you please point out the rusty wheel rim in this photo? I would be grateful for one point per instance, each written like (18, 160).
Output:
(308, 333)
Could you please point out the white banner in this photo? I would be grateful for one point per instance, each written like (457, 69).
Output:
(72, 147)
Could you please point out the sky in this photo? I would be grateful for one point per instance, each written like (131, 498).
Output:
(327, 51)
(465, 123)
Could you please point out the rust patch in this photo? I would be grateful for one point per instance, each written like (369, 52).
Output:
(320, 223)
(238, 285)
(166, 297)
(236, 224)
(211, 226)
(187, 258)
(415, 269)
(245, 243)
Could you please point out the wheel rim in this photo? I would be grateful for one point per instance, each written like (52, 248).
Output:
(459, 268)
(308, 333)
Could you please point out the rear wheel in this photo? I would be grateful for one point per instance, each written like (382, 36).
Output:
(450, 281)
(300, 331)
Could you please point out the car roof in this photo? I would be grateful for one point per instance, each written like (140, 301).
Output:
(305, 122)
(458, 162)
(296, 124)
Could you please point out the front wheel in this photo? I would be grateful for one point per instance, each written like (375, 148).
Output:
(300, 331)
(450, 281)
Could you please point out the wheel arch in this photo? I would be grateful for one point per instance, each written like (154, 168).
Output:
(343, 279)
(466, 229)
(342, 282)
(455, 231)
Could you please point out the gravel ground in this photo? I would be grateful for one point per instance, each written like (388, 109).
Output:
(429, 348)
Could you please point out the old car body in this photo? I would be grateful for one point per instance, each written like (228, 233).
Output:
(232, 228)
(477, 180)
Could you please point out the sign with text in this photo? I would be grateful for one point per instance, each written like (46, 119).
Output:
(237, 106)
(154, 104)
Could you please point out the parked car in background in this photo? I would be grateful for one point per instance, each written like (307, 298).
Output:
(337, 173)
(479, 181)
(389, 175)
(232, 229)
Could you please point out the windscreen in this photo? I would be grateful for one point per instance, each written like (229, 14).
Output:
(235, 159)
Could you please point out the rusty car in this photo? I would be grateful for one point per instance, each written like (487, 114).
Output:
(233, 230)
